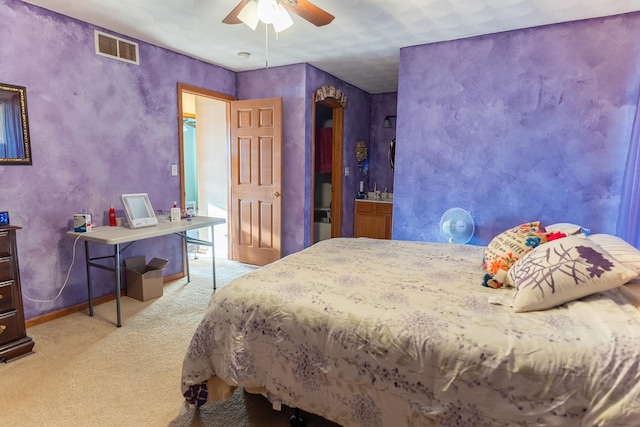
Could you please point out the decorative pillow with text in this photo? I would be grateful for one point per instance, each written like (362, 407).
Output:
(508, 247)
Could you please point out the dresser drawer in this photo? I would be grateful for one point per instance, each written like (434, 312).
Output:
(364, 207)
(6, 296)
(6, 269)
(384, 208)
(8, 327)
(5, 244)
(374, 207)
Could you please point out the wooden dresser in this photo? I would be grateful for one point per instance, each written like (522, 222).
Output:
(14, 341)
(373, 219)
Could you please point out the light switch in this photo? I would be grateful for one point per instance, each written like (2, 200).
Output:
(346, 171)
(174, 170)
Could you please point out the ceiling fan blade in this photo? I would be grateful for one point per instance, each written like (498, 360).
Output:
(232, 18)
(310, 12)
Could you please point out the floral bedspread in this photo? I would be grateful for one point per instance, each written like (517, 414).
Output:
(377, 333)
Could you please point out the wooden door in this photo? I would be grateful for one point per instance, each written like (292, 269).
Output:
(255, 209)
(336, 172)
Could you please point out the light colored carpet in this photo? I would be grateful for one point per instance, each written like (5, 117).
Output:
(87, 372)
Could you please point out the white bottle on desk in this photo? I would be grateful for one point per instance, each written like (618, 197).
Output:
(175, 212)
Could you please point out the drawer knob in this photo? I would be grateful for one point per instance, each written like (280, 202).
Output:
(2, 328)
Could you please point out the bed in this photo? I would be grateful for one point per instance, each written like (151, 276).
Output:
(379, 333)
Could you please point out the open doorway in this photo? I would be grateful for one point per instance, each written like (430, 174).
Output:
(233, 140)
(323, 182)
(204, 158)
(326, 178)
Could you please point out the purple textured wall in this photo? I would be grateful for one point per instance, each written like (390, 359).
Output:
(525, 125)
(356, 128)
(296, 84)
(99, 128)
(380, 172)
(288, 83)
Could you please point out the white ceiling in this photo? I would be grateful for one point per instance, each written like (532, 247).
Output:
(361, 46)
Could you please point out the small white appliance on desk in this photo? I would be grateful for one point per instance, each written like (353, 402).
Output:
(82, 222)
(138, 210)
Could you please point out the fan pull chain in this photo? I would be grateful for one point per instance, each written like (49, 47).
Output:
(266, 45)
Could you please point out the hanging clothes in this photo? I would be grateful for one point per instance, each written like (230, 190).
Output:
(324, 137)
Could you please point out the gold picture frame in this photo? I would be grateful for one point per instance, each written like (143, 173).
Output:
(15, 145)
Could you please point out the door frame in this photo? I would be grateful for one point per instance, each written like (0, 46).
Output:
(337, 157)
(198, 91)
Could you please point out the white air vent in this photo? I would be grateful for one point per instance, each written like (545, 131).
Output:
(116, 48)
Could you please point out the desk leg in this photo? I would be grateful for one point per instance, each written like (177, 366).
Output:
(186, 251)
(116, 256)
(213, 256)
(87, 262)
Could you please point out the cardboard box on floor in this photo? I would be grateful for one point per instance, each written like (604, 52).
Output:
(144, 281)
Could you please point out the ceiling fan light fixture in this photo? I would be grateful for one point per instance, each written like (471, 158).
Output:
(281, 20)
(249, 15)
(267, 10)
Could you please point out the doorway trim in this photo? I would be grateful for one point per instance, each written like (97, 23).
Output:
(194, 90)
(336, 163)
(198, 91)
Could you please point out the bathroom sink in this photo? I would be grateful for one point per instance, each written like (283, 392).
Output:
(381, 197)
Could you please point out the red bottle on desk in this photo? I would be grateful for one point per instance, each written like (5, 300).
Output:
(112, 216)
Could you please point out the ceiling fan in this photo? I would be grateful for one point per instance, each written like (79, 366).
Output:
(302, 8)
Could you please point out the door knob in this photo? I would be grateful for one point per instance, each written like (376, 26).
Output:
(275, 194)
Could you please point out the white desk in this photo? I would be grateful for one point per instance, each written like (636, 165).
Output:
(116, 236)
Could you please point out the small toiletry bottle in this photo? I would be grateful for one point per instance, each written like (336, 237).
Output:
(361, 194)
(175, 212)
(112, 216)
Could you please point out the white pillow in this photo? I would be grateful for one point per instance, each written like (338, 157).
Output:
(622, 251)
(567, 228)
(564, 270)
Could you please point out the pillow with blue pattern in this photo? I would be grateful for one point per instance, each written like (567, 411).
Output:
(508, 247)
